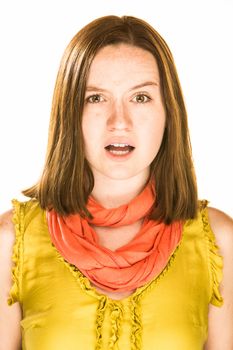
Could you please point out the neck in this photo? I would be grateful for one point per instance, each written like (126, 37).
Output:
(112, 193)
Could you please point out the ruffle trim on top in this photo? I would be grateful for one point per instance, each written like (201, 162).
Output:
(99, 322)
(116, 310)
(136, 332)
(215, 259)
(135, 302)
(140, 292)
(17, 220)
(116, 306)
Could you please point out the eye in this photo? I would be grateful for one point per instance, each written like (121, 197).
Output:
(141, 98)
(94, 99)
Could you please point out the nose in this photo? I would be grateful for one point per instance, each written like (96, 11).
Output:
(119, 117)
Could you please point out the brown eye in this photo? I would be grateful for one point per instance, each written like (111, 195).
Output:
(141, 98)
(94, 99)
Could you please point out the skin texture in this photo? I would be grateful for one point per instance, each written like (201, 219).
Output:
(9, 316)
(117, 110)
(220, 335)
(220, 320)
(121, 112)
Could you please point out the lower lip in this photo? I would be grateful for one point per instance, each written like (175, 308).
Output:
(119, 157)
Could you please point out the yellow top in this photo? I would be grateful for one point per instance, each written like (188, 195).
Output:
(61, 310)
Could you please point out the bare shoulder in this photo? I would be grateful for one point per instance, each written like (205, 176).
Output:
(10, 316)
(222, 226)
(220, 319)
(7, 232)
(6, 218)
(7, 239)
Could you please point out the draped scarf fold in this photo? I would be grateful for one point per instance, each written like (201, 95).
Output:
(129, 266)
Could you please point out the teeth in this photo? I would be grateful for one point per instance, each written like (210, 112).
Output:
(119, 152)
(119, 144)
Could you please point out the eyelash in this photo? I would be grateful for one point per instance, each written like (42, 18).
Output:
(148, 99)
(88, 99)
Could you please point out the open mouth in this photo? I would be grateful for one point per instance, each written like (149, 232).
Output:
(119, 149)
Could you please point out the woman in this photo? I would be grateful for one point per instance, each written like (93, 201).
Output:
(114, 250)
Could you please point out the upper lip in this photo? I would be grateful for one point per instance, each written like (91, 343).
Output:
(119, 140)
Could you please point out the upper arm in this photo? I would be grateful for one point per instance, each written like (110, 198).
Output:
(220, 319)
(10, 316)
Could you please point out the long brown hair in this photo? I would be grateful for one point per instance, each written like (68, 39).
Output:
(67, 180)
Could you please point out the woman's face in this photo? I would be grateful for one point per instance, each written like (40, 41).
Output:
(124, 117)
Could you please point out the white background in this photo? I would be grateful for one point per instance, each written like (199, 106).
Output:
(34, 35)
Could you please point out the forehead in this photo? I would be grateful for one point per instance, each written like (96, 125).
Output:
(122, 62)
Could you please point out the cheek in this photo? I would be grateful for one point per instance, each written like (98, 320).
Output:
(156, 127)
(87, 134)
(153, 137)
(88, 127)
(159, 125)
(92, 135)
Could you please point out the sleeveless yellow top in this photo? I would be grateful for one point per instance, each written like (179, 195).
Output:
(61, 310)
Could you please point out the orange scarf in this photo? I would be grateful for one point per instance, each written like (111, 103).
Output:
(129, 266)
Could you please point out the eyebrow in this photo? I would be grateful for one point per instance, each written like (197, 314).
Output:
(139, 86)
